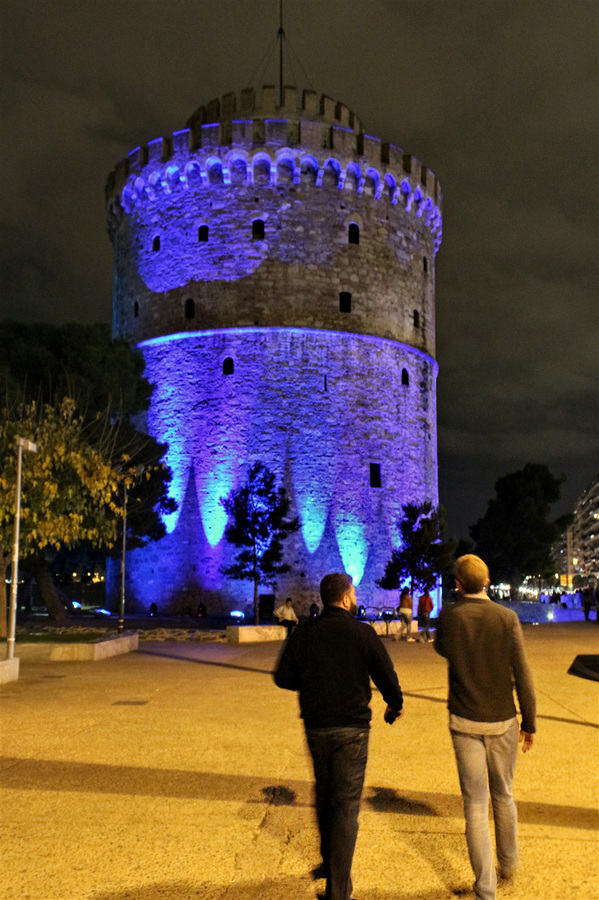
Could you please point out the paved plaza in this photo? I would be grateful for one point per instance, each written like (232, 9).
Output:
(180, 772)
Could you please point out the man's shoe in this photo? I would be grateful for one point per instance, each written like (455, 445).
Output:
(318, 871)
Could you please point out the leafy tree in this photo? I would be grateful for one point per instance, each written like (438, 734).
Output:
(68, 489)
(515, 535)
(43, 363)
(258, 525)
(46, 366)
(423, 554)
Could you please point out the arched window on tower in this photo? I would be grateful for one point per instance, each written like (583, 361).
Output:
(135, 309)
(156, 244)
(405, 377)
(258, 230)
(344, 301)
(203, 233)
(353, 234)
(228, 366)
(190, 308)
(416, 319)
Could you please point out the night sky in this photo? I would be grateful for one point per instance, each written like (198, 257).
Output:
(500, 98)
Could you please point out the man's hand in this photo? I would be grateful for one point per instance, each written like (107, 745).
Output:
(527, 740)
(390, 715)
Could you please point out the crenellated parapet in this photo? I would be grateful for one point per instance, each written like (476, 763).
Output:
(238, 142)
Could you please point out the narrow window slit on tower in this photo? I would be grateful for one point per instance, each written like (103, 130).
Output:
(375, 475)
(344, 301)
(190, 308)
(425, 263)
(135, 310)
(203, 233)
(156, 244)
(258, 230)
(353, 234)
(228, 366)
(405, 378)
(325, 383)
(416, 319)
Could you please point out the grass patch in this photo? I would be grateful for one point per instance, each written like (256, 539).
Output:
(55, 637)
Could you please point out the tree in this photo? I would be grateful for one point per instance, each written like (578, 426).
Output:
(42, 367)
(258, 525)
(515, 535)
(43, 363)
(68, 489)
(423, 553)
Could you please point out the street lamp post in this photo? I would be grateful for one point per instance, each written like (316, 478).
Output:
(21, 444)
(123, 551)
(138, 472)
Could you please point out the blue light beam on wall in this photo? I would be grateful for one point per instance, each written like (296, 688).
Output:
(352, 543)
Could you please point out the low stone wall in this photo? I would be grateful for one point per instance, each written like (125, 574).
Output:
(532, 613)
(252, 634)
(9, 670)
(90, 652)
(380, 626)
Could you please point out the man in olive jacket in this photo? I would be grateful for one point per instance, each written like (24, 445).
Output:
(330, 661)
(484, 646)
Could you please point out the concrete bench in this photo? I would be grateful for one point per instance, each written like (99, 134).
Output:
(253, 634)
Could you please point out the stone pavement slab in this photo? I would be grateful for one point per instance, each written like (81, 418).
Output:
(180, 771)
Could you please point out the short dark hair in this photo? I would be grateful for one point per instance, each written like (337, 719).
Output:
(472, 573)
(333, 588)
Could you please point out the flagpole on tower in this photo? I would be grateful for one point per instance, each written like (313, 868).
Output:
(281, 34)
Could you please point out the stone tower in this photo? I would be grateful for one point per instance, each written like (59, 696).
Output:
(276, 267)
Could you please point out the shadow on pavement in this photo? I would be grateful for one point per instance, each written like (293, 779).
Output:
(283, 888)
(181, 657)
(98, 778)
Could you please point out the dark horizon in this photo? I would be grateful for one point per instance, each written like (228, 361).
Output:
(502, 107)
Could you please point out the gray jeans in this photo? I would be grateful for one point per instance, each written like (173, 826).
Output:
(488, 761)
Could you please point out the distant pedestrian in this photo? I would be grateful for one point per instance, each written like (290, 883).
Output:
(406, 614)
(330, 660)
(286, 616)
(587, 602)
(484, 646)
(425, 608)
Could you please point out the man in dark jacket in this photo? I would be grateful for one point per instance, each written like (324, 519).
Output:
(330, 661)
(484, 647)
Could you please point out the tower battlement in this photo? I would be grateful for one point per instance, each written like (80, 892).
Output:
(239, 142)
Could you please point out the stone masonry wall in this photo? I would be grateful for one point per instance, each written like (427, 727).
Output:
(276, 266)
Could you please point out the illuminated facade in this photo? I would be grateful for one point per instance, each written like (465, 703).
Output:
(275, 265)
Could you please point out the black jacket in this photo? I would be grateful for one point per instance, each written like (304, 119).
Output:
(330, 661)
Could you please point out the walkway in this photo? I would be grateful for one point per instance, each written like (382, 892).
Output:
(179, 772)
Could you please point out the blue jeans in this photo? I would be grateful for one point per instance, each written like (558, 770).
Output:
(424, 623)
(405, 624)
(488, 761)
(339, 757)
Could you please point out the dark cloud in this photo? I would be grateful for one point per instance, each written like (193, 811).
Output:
(498, 97)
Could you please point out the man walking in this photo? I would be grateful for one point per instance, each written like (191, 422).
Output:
(484, 646)
(330, 661)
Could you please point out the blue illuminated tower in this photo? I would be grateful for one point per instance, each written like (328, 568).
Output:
(276, 267)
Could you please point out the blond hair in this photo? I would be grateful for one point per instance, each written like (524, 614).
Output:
(472, 573)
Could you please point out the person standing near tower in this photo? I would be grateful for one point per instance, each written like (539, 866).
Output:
(330, 661)
(484, 646)
(286, 616)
